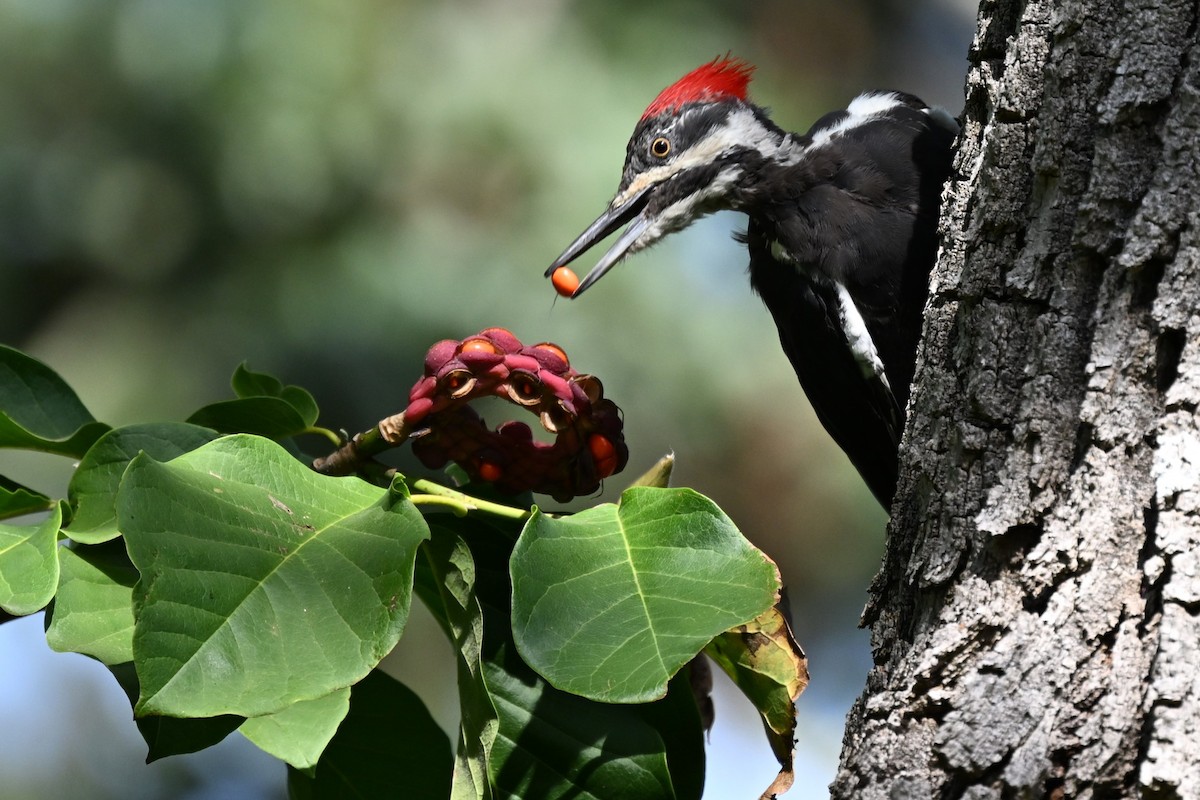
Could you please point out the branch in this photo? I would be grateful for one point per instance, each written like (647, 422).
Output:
(357, 454)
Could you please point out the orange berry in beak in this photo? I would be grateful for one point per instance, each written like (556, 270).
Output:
(565, 281)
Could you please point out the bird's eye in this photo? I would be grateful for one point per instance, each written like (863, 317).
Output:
(660, 147)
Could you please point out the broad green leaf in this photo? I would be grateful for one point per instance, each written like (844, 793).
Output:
(38, 411)
(551, 744)
(611, 602)
(299, 733)
(93, 489)
(93, 612)
(263, 583)
(557, 745)
(304, 403)
(388, 746)
(247, 383)
(272, 417)
(16, 499)
(678, 721)
(259, 384)
(767, 665)
(29, 564)
(172, 736)
(445, 581)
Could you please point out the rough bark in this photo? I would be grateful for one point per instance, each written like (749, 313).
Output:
(1036, 622)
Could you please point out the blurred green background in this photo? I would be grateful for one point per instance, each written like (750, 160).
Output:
(324, 188)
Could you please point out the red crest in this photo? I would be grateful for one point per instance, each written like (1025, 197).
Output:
(723, 78)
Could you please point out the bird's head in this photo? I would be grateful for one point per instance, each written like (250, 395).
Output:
(687, 153)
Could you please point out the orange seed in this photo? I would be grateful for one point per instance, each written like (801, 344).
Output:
(565, 281)
(604, 454)
(478, 346)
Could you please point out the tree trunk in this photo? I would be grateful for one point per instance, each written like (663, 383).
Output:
(1035, 623)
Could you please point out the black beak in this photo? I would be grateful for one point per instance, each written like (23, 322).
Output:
(605, 224)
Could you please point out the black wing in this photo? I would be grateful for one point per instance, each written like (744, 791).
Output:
(858, 410)
(855, 221)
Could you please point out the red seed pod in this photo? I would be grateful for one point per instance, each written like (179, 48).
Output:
(423, 388)
(479, 360)
(458, 382)
(560, 388)
(522, 362)
(417, 410)
(587, 444)
(524, 388)
(502, 338)
(565, 281)
(549, 356)
(518, 431)
(478, 345)
(439, 354)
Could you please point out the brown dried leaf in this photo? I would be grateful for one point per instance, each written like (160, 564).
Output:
(767, 664)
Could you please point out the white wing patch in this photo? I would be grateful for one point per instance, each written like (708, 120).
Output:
(859, 338)
(869, 104)
(853, 325)
(861, 110)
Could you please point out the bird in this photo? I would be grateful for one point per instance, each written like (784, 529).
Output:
(842, 234)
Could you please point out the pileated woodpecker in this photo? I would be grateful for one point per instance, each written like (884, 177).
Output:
(842, 234)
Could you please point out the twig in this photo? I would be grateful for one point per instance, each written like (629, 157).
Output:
(354, 455)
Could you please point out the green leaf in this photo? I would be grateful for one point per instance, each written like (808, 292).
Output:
(299, 733)
(16, 499)
(38, 411)
(263, 583)
(611, 602)
(272, 417)
(259, 384)
(445, 582)
(766, 663)
(388, 746)
(172, 736)
(92, 611)
(247, 383)
(558, 745)
(29, 564)
(93, 489)
(679, 724)
(304, 403)
(551, 744)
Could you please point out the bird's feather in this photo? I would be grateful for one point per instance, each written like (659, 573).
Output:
(723, 78)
